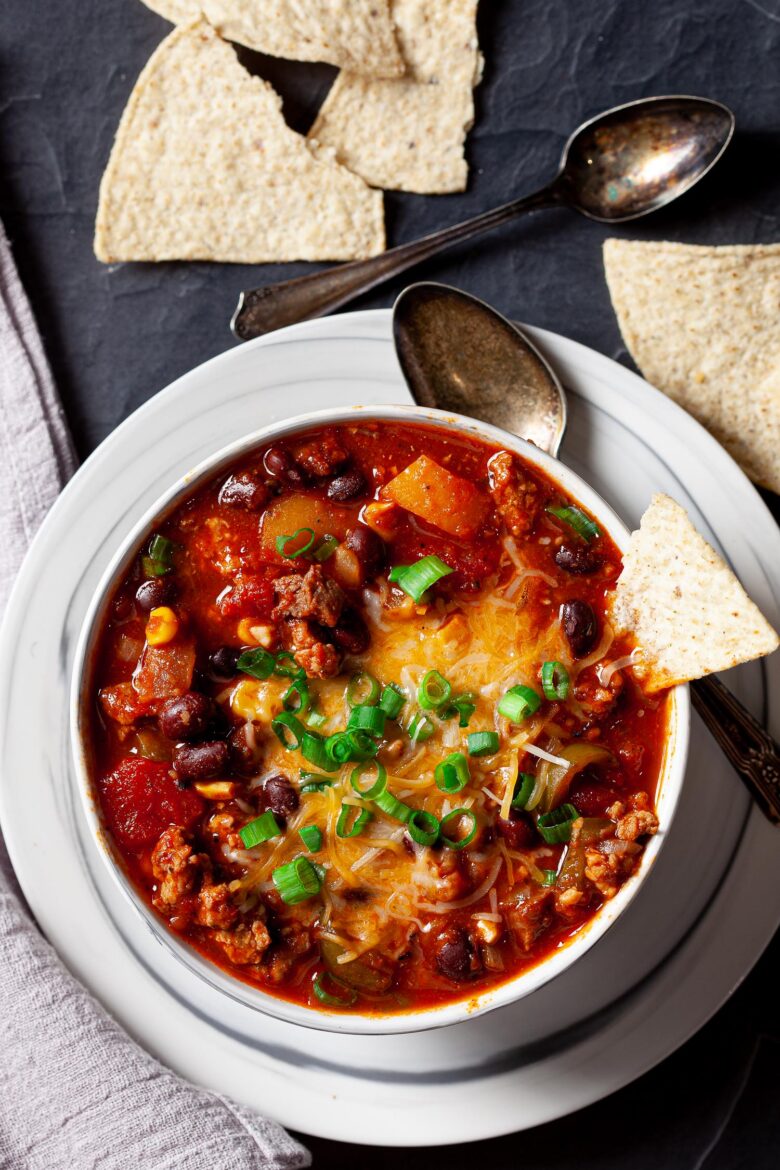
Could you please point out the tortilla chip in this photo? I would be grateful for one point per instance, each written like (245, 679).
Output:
(408, 134)
(354, 34)
(687, 610)
(703, 325)
(204, 167)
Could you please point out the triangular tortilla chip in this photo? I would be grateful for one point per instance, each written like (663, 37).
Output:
(686, 609)
(703, 325)
(204, 167)
(408, 134)
(354, 34)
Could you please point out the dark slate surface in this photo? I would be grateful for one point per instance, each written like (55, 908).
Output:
(115, 337)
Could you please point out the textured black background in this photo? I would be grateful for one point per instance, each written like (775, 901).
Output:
(117, 335)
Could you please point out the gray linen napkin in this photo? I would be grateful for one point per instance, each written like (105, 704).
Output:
(75, 1091)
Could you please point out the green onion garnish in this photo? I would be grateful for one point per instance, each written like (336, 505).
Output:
(294, 671)
(364, 746)
(298, 697)
(555, 681)
(549, 877)
(325, 548)
(576, 519)
(417, 578)
(454, 819)
(518, 703)
(376, 788)
(333, 1000)
(338, 749)
(297, 881)
(343, 827)
(362, 690)
(316, 719)
(159, 559)
(311, 835)
(420, 728)
(523, 788)
(262, 828)
(392, 701)
(452, 775)
(434, 691)
(555, 826)
(463, 706)
(314, 782)
(315, 749)
(423, 827)
(289, 731)
(257, 663)
(482, 743)
(393, 807)
(370, 719)
(286, 546)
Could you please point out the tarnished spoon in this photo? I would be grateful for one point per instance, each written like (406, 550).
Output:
(625, 163)
(459, 354)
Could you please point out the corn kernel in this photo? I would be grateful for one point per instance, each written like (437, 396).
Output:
(488, 931)
(216, 789)
(162, 626)
(253, 633)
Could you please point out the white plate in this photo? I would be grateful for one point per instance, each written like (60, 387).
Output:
(693, 932)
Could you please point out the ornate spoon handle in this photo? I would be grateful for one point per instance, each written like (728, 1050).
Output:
(751, 750)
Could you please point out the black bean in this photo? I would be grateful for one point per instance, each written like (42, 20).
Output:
(579, 559)
(580, 625)
(368, 548)
(200, 761)
(456, 956)
(246, 490)
(280, 796)
(282, 466)
(245, 753)
(186, 717)
(351, 633)
(223, 663)
(518, 832)
(348, 486)
(155, 592)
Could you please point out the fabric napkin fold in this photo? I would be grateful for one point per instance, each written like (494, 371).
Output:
(75, 1090)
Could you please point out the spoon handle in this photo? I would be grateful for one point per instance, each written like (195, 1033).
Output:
(751, 750)
(261, 310)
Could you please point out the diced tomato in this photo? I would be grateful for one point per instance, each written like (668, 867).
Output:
(592, 800)
(121, 703)
(253, 598)
(164, 672)
(140, 800)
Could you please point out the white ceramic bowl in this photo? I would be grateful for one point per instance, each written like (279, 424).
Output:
(672, 768)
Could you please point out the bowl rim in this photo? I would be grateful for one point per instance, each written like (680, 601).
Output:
(254, 998)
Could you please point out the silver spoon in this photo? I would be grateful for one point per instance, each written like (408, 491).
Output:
(625, 163)
(459, 354)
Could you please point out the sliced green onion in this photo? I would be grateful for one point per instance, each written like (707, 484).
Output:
(364, 746)
(549, 877)
(523, 788)
(289, 731)
(316, 719)
(555, 681)
(376, 788)
(518, 703)
(294, 671)
(343, 827)
(159, 559)
(311, 835)
(392, 806)
(423, 827)
(454, 819)
(325, 548)
(257, 663)
(392, 701)
(434, 691)
(315, 749)
(314, 782)
(297, 881)
(555, 826)
(333, 1000)
(298, 697)
(417, 578)
(420, 728)
(286, 545)
(576, 519)
(362, 690)
(262, 828)
(463, 706)
(482, 743)
(338, 749)
(452, 775)
(371, 719)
